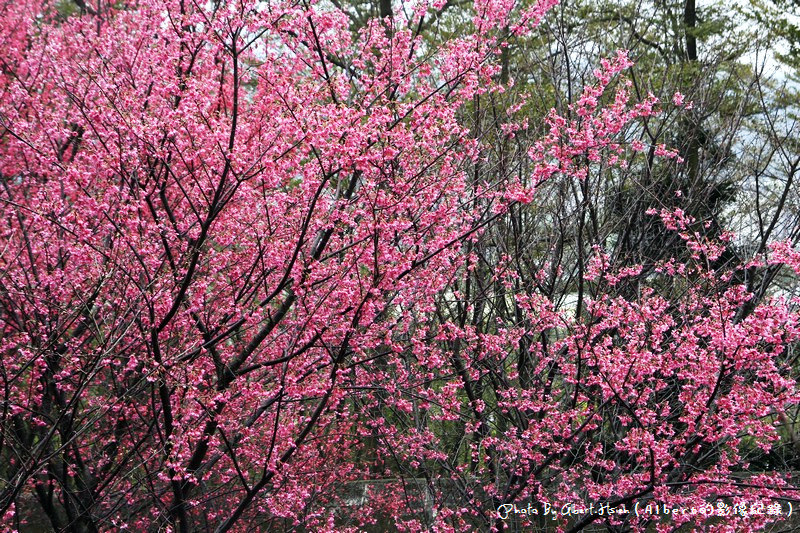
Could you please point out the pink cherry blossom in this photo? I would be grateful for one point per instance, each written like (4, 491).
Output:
(232, 231)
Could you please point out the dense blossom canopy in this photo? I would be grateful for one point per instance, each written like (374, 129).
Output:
(229, 230)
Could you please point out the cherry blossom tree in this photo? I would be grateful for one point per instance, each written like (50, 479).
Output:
(236, 279)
